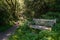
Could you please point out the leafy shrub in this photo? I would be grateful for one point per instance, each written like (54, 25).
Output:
(5, 27)
(26, 33)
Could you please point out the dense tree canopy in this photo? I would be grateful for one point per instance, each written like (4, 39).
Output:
(8, 11)
(40, 7)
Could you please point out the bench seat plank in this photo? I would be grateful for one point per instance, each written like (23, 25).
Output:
(40, 27)
(45, 22)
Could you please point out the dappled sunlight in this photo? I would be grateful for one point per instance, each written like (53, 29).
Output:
(21, 3)
(49, 38)
(21, 21)
(15, 37)
(22, 6)
(30, 19)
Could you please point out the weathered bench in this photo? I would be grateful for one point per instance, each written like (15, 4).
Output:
(44, 24)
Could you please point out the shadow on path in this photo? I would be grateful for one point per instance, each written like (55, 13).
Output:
(5, 35)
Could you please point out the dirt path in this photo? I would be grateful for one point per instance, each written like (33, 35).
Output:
(5, 35)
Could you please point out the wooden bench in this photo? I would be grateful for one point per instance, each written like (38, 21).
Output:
(44, 24)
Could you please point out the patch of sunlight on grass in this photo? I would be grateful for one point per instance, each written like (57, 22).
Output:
(15, 37)
(59, 38)
(50, 38)
(19, 30)
(21, 22)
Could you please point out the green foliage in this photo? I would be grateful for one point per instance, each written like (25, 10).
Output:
(40, 7)
(48, 9)
(5, 27)
(51, 15)
(26, 33)
(8, 12)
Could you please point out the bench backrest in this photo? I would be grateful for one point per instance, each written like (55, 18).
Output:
(45, 22)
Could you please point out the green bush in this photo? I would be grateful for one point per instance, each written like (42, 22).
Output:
(26, 33)
(5, 28)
